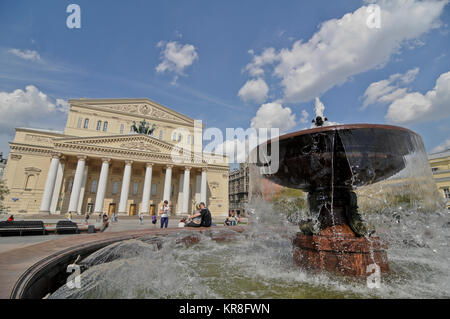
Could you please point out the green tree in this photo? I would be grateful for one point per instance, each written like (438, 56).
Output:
(3, 191)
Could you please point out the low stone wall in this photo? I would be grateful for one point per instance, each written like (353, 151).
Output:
(33, 271)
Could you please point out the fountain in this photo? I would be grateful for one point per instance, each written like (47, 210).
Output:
(329, 163)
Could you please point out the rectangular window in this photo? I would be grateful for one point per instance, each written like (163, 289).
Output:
(154, 190)
(446, 193)
(99, 125)
(105, 126)
(121, 128)
(80, 121)
(94, 186)
(135, 188)
(86, 123)
(115, 188)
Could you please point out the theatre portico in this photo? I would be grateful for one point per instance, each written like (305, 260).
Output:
(99, 165)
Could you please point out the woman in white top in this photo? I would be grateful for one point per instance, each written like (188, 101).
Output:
(165, 214)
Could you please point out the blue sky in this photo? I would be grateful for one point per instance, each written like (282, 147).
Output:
(115, 54)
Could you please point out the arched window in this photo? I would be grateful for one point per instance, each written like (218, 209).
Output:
(94, 186)
(30, 182)
(174, 137)
(86, 123)
(121, 128)
(80, 121)
(105, 126)
(99, 125)
(179, 137)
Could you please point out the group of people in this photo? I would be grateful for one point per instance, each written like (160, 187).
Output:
(200, 217)
(232, 219)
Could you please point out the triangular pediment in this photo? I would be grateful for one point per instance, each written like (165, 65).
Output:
(142, 108)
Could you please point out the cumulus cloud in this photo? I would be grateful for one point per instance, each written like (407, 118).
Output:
(176, 57)
(26, 54)
(417, 107)
(19, 107)
(441, 147)
(274, 115)
(347, 46)
(388, 90)
(254, 90)
(304, 118)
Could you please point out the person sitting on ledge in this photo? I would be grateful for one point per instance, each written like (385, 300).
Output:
(195, 219)
(206, 216)
(11, 218)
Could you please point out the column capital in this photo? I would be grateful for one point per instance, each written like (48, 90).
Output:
(56, 155)
(128, 162)
(204, 169)
(169, 166)
(187, 168)
(106, 160)
(149, 165)
(82, 157)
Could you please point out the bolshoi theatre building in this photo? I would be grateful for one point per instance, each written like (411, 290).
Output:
(101, 163)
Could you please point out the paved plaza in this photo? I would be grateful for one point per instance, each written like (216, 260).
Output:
(125, 223)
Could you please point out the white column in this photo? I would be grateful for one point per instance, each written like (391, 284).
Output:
(180, 194)
(76, 186)
(187, 177)
(101, 189)
(57, 190)
(50, 184)
(82, 190)
(145, 207)
(125, 187)
(203, 187)
(167, 183)
(198, 182)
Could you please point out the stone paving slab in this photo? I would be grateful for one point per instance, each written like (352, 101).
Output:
(14, 262)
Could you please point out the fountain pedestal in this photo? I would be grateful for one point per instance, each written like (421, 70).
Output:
(337, 249)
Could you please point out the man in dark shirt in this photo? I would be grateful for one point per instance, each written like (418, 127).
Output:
(206, 215)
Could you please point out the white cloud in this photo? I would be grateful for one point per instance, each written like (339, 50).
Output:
(176, 57)
(417, 107)
(386, 91)
(254, 90)
(344, 47)
(442, 147)
(26, 54)
(19, 108)
(274, 115)
(304, 118)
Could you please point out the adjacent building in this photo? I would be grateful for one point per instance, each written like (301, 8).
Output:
(238, 188)
(100, 164)
(440, 167)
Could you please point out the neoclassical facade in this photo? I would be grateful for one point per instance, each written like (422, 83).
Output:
(98, 164)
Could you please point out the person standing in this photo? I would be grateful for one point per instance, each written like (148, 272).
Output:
(165, 214)
(69, 216)
(141, 218)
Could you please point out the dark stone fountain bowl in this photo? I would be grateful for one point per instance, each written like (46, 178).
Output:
(342, 155)
(329, 163)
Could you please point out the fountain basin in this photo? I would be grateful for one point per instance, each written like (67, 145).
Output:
(330, 163)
